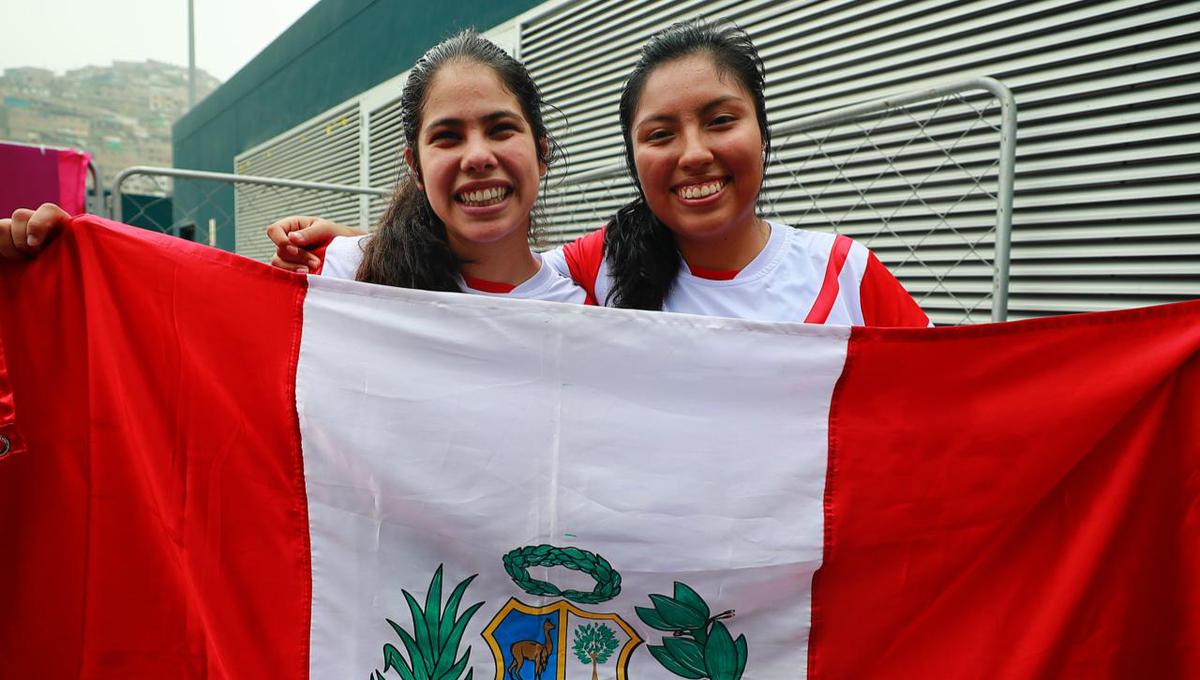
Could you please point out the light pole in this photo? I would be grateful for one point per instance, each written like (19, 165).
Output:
(191, 57)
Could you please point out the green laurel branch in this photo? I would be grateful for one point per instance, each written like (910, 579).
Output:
(700, 645)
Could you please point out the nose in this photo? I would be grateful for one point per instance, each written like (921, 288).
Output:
(695, 155)
(478, 155)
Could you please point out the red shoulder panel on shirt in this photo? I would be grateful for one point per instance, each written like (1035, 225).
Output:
(584, 256)
(884, 300)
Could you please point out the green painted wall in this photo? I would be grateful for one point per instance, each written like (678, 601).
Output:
(148, 212)
(335, 51)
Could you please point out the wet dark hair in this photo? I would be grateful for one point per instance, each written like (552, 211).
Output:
(409, 248)
(643, 258)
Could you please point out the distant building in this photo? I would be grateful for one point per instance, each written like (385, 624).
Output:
(121, 113)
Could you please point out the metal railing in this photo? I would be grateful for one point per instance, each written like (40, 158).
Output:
(924, 178)
(179, 200)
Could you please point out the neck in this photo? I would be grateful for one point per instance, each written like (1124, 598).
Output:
(729, 251)
(506, 261)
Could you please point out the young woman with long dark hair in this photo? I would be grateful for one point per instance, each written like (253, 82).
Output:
(476, 149)
(694, 123)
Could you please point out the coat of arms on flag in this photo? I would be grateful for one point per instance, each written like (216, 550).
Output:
(543, 642)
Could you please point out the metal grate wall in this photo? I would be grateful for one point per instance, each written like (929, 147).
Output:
(1107, 204)
(324, 150)
(386, 149)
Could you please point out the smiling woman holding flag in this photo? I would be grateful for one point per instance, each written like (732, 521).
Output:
(693, 119)
(476, 148)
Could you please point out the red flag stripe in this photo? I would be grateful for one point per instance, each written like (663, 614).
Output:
(157, 538)
(1015, 501)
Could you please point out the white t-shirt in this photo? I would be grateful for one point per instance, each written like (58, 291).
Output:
(799, 275)
(344, 254)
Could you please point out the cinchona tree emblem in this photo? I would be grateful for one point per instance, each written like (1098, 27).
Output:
(594, 643)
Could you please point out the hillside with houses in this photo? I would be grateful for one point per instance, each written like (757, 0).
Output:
(121, 113)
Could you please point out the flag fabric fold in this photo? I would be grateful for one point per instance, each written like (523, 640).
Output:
(230, 471)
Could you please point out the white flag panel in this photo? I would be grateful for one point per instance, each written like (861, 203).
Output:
(588, 446)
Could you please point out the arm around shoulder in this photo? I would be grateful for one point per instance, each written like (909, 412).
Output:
(582, 259)
(300, 241)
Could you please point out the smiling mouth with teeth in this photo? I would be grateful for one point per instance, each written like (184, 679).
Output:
(695, 191)
(483, 197)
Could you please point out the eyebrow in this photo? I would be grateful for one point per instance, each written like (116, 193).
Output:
(489, 118)
(665, 118)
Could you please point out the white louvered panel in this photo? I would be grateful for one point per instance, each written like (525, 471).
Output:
(386, 143)
(831, 74)
(325, 150)
(1106, 208)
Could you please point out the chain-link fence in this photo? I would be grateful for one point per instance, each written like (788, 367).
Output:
(924, 178)
(191, 204)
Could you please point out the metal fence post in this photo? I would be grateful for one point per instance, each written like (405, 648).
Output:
(1004, 206)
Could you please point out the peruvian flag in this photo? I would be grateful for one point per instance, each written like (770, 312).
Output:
(215, 469)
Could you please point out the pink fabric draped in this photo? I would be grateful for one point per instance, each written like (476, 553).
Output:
(30, 176)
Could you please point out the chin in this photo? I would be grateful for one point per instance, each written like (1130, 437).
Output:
(485, 234)
(702, 229)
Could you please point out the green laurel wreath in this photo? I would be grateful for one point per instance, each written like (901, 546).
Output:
(518, 561)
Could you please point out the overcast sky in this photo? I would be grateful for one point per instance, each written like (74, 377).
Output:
(66, 34)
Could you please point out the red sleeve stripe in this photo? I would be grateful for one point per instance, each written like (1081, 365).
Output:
(319, 251)
(830, 288)
(584, 256)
